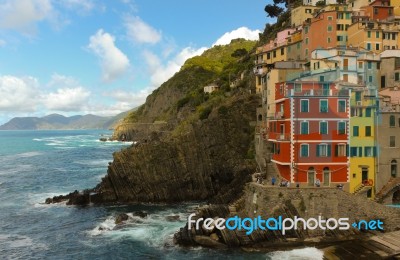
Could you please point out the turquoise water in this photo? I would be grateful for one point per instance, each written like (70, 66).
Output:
(35, 165)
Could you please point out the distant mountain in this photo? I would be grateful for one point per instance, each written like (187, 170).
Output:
(56, 121)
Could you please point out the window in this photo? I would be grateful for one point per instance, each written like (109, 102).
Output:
(369, 34)
(321, 78)
(392, 141)
(342, 106)
(304, 150)
(368, 112)
(341, 128)
(339, 38)
(329, 39)
(355, 131)
(369, 151)
(304, 105)
(308, 11)
(268, 55)
(330, 18)
(304, 128)
(323, 150)
(297, 88)
(368, 131)
(370, 79)
(306, 52)
(353, 151)
(377, 34)
(306, 29)
(377, 46)
(369, 65)
(341, 150)
(307, 40)
(323, 127)
(274, 54)
(392, 121)
(393, 168)
(348, 16)
(368, 46)
(356, 112)
(329, 28)
(323, 106)
(360, 65)
(282, 51)
(396, 76)
(375, 10)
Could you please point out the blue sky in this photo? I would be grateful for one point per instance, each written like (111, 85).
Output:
(105, 57)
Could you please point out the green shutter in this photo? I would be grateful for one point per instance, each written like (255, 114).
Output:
(336, 150)
(360, 152)
(318, 150)
(347, 150)
(329, 150)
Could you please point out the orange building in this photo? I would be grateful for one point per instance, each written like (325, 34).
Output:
(378, 10)
(327, 29)
(310, 133)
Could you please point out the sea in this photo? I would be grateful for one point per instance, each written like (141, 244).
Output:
(35, 165)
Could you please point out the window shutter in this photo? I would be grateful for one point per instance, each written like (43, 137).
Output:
(336, 150)
(318, 150)
(374, 151)
(360, 152)
(347, 150)
(329, 150)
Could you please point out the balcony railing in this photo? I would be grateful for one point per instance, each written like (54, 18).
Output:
(283, 137)
(320, 92)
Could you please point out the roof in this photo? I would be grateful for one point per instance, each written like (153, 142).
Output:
(390, 54)
(393, 94)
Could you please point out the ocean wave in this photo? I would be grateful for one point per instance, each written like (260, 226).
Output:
(154, 230)
(308, 253)
(18, 241)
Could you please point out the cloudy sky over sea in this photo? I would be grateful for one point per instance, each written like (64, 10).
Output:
(105, 57)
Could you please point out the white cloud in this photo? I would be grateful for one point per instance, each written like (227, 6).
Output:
(113, 61)
(140, 32)
(18, 94)
(62, 81)
(79, 5)
(23, 14)
(66, 99)
(162, 72)
(242, 32)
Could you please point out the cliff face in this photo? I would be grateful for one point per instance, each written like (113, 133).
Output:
(206, 160)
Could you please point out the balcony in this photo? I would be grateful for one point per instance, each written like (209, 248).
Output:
(283, 137)
(319, 93)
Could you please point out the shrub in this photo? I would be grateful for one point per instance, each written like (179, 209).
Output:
(205, 113)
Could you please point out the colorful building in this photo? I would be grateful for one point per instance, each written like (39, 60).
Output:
(327, 29)
(378, 10)
(301, 14)
(309, 133)
(363, 144)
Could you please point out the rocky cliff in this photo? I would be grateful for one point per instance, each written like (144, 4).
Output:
(191, 145)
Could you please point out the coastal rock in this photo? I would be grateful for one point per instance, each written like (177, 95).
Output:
(206, 160)
(172, 218)
(140, 214)
(209, 242)
(121, 218)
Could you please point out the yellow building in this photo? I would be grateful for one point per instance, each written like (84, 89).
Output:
(396, 7)
(366, 35)
(268, 54)
(300, 14)
(362, 152)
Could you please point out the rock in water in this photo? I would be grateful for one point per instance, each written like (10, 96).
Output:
(172, 218)
(141, 214)
(120, 218)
